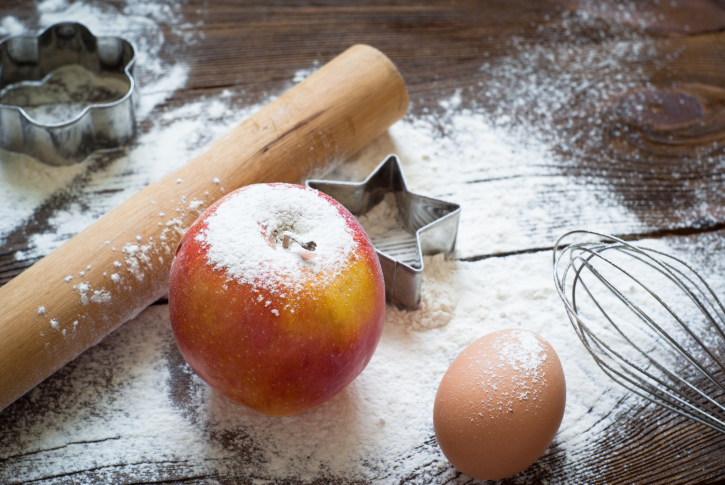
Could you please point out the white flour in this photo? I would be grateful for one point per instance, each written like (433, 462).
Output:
(382, 218)
(380, 426)
(244, 238)
(506, 369)
(65, 93)
(522, 352)
(130, 406)
(25, 183)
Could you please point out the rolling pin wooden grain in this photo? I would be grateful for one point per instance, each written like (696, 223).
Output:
(48, 319)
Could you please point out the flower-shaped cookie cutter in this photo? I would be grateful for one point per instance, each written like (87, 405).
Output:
(430, 227)
(28, 60)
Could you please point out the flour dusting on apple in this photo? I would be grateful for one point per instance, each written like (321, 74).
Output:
(245, 237)
(276, 297)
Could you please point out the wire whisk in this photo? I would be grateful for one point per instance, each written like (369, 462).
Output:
(650, 321)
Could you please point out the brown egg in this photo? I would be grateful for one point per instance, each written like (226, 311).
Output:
(500, 404)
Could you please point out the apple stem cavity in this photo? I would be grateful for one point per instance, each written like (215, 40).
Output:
(287, 236)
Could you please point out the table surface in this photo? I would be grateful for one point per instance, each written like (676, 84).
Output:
(654, 143)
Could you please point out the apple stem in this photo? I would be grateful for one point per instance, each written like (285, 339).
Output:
(308, 245)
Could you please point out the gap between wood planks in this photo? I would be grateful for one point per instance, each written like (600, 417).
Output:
(19, 267)
(656, 234)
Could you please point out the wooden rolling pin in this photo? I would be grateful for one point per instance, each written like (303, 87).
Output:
(107, 274)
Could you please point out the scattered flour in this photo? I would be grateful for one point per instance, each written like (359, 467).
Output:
(96, 296)
(379, 429)
(153, 411)
(101, 296)
(137, 257)
(10, 26)
(303, 74)
(438, 299)
(25, 183)
(382, 218)
(82, 290)
(513, 361)
(521, 351)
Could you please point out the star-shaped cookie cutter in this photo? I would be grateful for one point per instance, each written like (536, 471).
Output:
(430, 226)
(28, 60)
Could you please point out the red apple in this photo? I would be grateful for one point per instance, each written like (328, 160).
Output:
(276, 297)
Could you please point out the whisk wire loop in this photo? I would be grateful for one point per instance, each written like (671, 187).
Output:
(642, 314)
(692, 389)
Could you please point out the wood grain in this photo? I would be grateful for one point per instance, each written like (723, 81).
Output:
(665, 167)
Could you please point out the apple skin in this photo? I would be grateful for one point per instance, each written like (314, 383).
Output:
(277, 365)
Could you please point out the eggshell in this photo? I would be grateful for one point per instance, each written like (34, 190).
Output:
(500, 404)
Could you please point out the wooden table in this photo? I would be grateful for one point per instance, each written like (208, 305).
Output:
(655, 144)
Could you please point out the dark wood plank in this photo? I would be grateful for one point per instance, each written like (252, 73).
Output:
(656, 141)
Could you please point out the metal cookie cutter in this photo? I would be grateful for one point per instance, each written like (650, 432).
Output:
(28, 61)
(429, 226)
